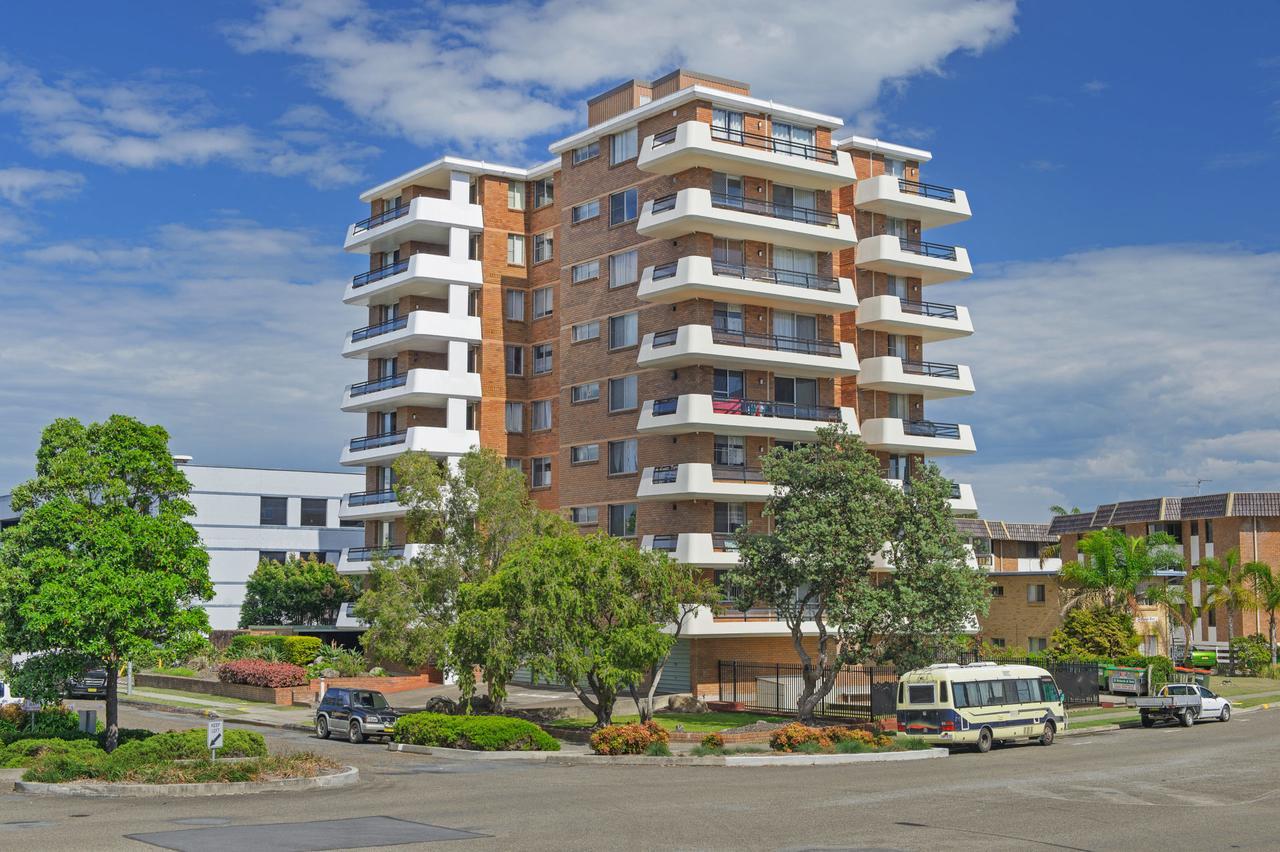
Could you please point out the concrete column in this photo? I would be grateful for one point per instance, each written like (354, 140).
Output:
(459, 296)
(459, 187)
(459, 243)
(457, 356)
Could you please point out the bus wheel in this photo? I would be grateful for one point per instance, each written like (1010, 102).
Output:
(1046, 736)
(984, 741)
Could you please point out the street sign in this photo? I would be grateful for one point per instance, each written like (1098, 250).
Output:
(214, 737)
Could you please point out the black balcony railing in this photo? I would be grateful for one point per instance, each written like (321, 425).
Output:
(665, 270)
(371, 498)
(755, 140)
(937, 251)
(383, 383)
(724, 542)
(730, 612)
(663, 204)
(384, 439)
(929, 309)
(366, 554)
(723, 404)
(665, 338)
(773, 209)
(776, 342)
(736, 473)
(931, 429)
(381, 272)
(954, 491)
(380, 328)
(666, 542)
(932, 369)
(380, 219)
(927, 190)
(774, 276)
(665, 406)
(664, 475)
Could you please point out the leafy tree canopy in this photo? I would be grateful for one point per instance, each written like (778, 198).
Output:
(296, 591)
(1095, 632)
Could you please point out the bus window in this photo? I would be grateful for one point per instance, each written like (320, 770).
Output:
(942, 692)
(1026, 691)
(920, 693)
(1048, 689)
(992, 692)
(901, 685)
(966, 695)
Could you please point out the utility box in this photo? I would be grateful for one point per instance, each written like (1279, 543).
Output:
(88, 721)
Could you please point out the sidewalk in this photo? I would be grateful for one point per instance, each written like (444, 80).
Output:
(248, 712)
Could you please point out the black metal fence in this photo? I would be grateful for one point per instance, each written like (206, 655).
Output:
(860, 693)
(1081, 683)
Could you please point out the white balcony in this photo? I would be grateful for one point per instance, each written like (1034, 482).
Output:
(962, 499)
(419, 386)
(930, 321)
(698, 210)
(931, 380)
(933, 206)
(696, 143)
(932, 263)
(702, 344)
(705, 550)
(359, 560)
(892, 435)
(702, 481)
(701, 278)
(426, 220)
(421, 331)
(702, 413)
(383, 449)
(735, 624)
(371, 506)
(428, 275)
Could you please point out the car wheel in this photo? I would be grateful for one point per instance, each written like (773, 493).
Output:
(322, 728)
(1047, 735)
(985, 740)
(1225, 715)
(1187, 718)
(354, 733)
(1147, 720)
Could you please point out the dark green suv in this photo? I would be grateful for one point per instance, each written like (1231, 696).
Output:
(361, 713)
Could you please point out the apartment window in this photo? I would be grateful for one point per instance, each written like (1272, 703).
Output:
(544, 192)
(730, 451)
(473, 303)
(542, 247)
(623, 268)
(622, 519)
(351, 524)
(585, 211)
(997, 591)
(1208, 532)
(272, 556)
(622, 393)
(897, 168)
(584, 453)
(1035, 593)
(515, 360)
(515, 417)
(623, 206)
(1037, 644)
(515, 195)
(727, 125)
(543, 302)
(313, 556)
(623, 146)
(542, 472)
(789, 139)
(315, 511)
(515, 249)
(586, 331)
(542, 358)
(584, 515)
(587, 152)
(589, 392)
(622, 456)
(899, 409)
(897, 345)
(1213, 618)
(897, 467)
(541, 415)
(728, 384)
(515, 305)
(999, 643)
(624, 330)
(515, 464)
(585, 271)
(730, 517)
(475, 245)
(273, 511)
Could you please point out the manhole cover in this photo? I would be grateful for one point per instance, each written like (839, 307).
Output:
(304, 836)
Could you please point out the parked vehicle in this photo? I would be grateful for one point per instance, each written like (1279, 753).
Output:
(361, 713)
(90, 683)
(7, 696)
(1184, 703)
(980, 704)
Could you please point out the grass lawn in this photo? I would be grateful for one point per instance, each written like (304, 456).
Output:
(1229, 686)
(693, 722)
(1074, 723)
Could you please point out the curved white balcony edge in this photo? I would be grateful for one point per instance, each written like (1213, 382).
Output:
(697, 413)
(888, 434)
(693, 212)
(696, 549)
(704, 624)
(694, 146)
(884, 194)
(696, 481)
(424, 275)
(885, 313)
(423, 211)
(695, 344)
(372, 511)
(347, 565)
(886, 373)
(422, 329)
(695, 278)
(884, 253)
(422, 386)
(436, 440)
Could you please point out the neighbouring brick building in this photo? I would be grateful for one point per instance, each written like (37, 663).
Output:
(695, 277)
(1204, 526)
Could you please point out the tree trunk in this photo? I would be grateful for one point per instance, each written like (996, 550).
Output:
(113, 707)
(1272, 625)
(1230, 652)
(604, 709)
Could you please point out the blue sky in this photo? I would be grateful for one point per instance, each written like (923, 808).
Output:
(174, 191)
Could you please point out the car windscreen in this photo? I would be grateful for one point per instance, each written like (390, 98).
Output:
(371, 700)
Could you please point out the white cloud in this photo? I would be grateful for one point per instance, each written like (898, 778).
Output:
(1095, 87)
(1118, 374)
(226, 333)
(19, 185)
(151, 122)
(490, 76)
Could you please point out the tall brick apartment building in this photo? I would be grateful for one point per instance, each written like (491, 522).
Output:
(697, 276)
(1204, 526)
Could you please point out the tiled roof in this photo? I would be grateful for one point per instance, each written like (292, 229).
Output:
(1079, 522)
(1205, 506)
(1261, 504)
(1001, 531)
(1135, 511)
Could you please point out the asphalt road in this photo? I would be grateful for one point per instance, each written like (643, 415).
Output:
(1213, 786)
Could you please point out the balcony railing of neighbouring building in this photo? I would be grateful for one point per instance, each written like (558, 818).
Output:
(380, 328)
(937, 251)
(383, 439)
(927, 190)
(366, 554)
(381, 272)
(373, 385)
(931, 429)
(755, 140)
(371, 498)
(929, 309)
(379, 219)
(932, 369)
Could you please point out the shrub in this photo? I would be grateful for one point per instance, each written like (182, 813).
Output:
(28, 752)
(911, 743)
(345, 661)
(13, 714)
(61, 768)
(1252, 654)
(301, 650)
(789, 737)
(262, 673)
(657, 749)
(477, 733)
(1099, 632)
(713, 741)
(189, 745)
(628, 739)
(177, 671)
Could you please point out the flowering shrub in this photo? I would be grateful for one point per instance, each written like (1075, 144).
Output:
(713, 741)
(790, 737)
(628, 739)
(262, 673)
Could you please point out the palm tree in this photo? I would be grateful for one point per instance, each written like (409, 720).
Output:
(1055, 509)
(1114, 565)
(1177, 601)
(1266, 592)
(1223, 585)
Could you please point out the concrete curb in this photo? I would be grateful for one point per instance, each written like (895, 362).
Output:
(1124, 726)
(557, 758)
(346, 778)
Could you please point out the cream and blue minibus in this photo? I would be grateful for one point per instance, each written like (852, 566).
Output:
(980, 704)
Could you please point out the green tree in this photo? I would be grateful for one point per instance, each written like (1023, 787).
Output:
(296, 591)
(1112, 567)
(576, 609)
(468, 517)
(673, 598)
(1266, 593)
(102, 565)
(1180, 605)
(1223, 584)
(1095, 632)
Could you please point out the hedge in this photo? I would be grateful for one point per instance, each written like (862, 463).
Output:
(477, 733)
(262, 673)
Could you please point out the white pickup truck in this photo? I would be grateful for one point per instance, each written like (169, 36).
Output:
(1183, 703)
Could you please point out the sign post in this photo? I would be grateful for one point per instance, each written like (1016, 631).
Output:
(214, 738)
